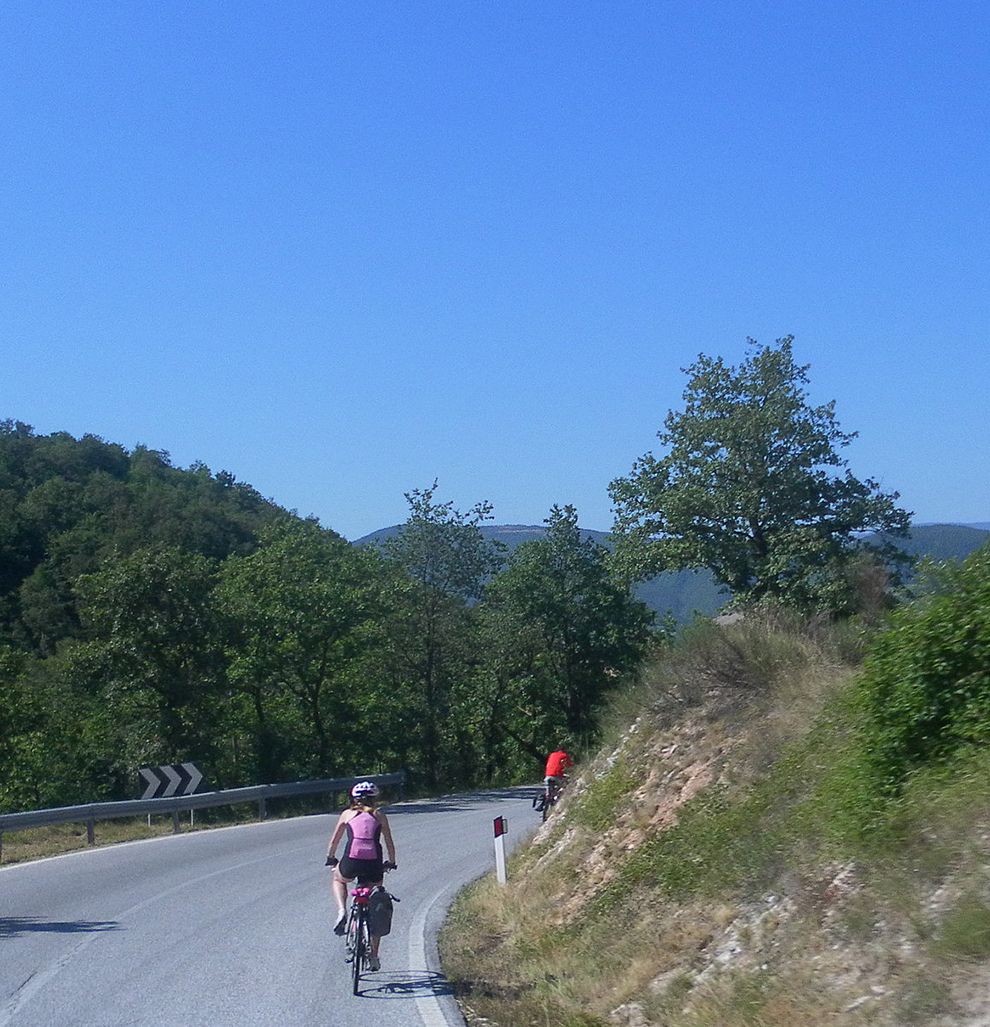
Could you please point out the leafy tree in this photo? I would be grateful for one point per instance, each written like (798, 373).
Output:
(561, 633)
(72, 744)
(20, 736)
(441, 561)
(153, 642)
(752, 487)
(212, 515)
(300, 612)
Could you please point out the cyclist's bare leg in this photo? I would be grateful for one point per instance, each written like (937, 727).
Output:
(338, 888)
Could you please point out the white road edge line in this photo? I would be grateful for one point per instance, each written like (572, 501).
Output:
(430, 1009)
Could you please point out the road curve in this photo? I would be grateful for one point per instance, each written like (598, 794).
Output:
(232, 927)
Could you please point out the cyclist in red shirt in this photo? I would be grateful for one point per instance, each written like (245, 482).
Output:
(556, 770)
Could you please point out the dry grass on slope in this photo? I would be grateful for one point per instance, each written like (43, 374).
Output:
(680, 883)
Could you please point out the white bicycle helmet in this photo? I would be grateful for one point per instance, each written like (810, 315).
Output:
(364, 789)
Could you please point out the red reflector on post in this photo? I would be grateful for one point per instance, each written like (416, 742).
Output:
(501, 827)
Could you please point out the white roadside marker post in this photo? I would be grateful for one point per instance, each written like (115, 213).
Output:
(501, 828)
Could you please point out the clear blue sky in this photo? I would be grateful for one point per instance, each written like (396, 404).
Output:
(342, 249)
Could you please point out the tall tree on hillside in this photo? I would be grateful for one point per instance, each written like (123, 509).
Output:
(560, 632)
(752, 487)
(299, 613)
(67, 734)
(441, 560)
(153, 649)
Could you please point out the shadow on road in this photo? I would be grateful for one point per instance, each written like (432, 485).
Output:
(12, 926)
(394, 984)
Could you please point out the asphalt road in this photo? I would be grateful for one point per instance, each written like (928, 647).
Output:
(233, 927)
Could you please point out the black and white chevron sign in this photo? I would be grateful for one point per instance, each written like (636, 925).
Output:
(172, 779)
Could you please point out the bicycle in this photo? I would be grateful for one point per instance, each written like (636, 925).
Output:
(357, 934)
(548, 798)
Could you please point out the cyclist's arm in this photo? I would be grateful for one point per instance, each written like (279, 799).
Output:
(387, 835)
(338, 832)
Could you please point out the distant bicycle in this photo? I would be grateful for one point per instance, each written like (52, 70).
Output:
(357, 936)
(548, 797)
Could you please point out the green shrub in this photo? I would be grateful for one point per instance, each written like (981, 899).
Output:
(925, 693)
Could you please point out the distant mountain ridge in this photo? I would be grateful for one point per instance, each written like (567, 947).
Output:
(685, 593)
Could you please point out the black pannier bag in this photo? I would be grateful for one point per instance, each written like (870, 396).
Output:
(380, 912)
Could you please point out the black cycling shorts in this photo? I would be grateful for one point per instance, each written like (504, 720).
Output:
(367, 871)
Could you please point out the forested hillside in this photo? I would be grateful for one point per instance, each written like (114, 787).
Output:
(69, 507)
(153, 614)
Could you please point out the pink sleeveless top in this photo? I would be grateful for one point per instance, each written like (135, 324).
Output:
(363, 837)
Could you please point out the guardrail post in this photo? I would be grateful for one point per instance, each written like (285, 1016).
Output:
(262, 808)
(91, 831)
(176, 828)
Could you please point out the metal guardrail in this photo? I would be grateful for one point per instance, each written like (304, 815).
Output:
(91, 812)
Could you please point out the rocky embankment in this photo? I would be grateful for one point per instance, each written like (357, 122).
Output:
(672, 886)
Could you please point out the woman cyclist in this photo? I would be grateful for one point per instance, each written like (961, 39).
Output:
(365, 826)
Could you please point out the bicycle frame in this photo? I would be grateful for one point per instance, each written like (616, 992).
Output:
(358, 935)
(551, 796)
